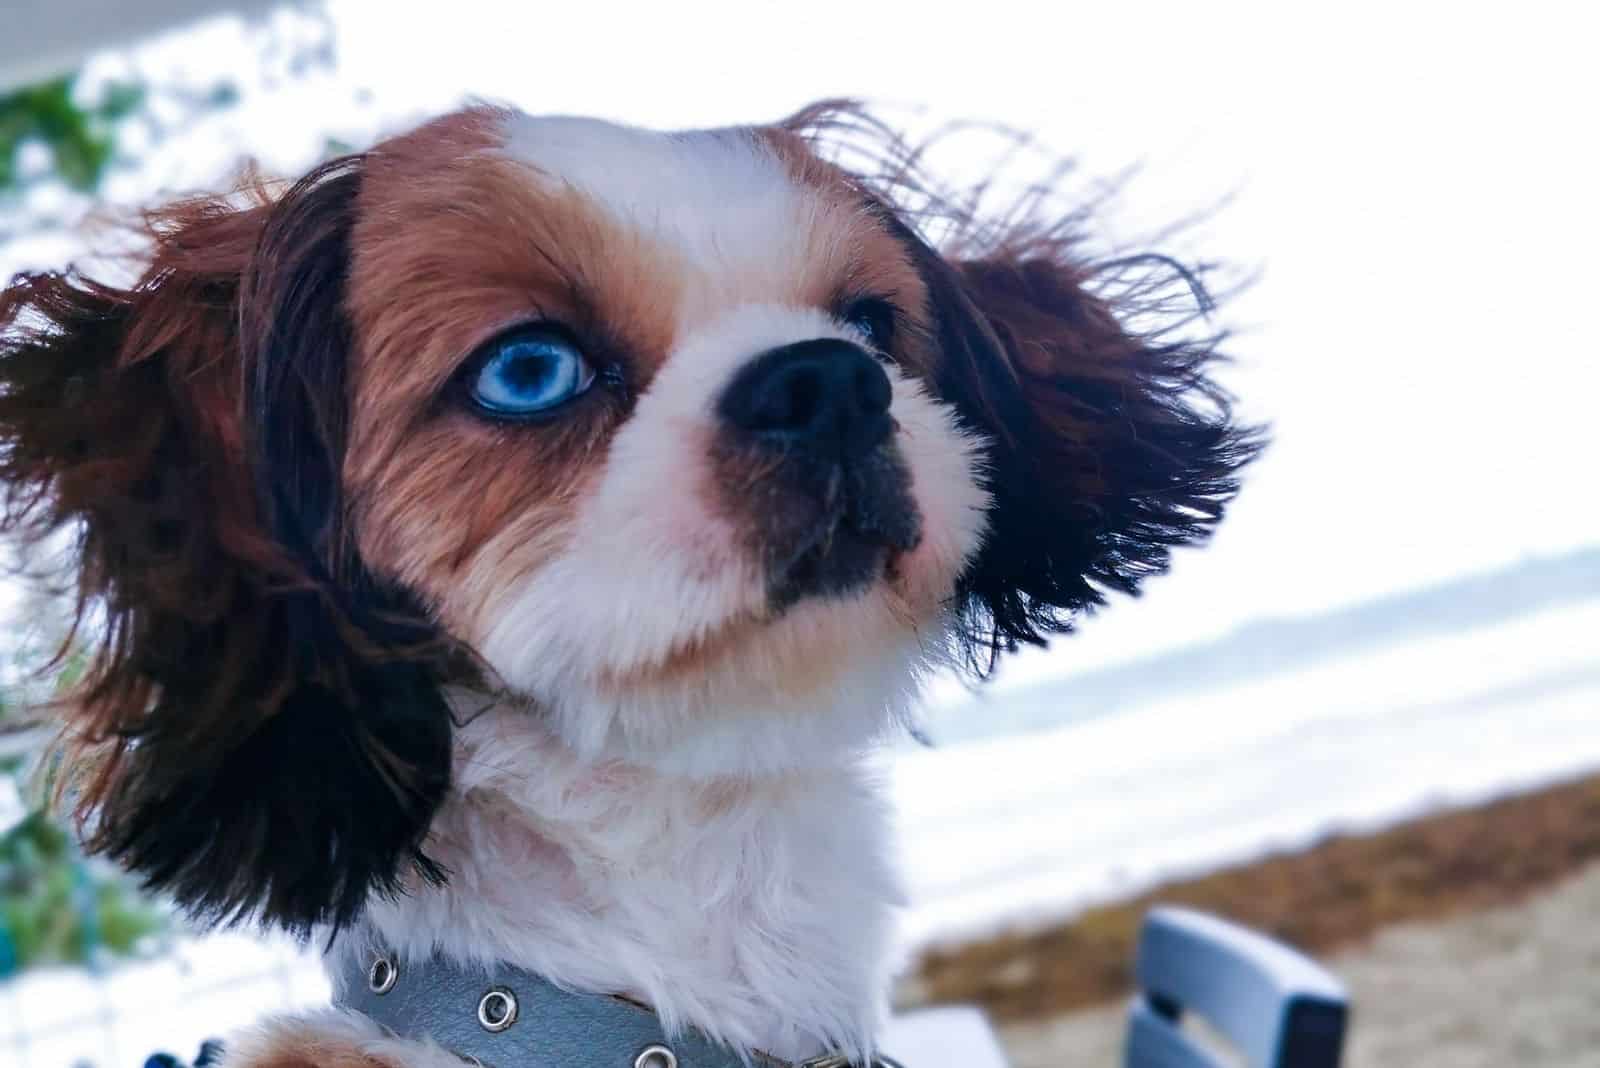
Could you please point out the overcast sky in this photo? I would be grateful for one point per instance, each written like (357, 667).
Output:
(1417, 183)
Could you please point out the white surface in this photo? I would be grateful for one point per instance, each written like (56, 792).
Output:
(12, 810)
(62, 1017)
(935, 1038)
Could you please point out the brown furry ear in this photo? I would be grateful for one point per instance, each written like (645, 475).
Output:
(1109, 447)
(261, 730)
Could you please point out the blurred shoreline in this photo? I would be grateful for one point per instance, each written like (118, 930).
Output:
(1281, 646)
(1410, 915)
(1037, 803)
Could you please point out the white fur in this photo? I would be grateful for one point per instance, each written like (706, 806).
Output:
(720, 197)
(713, 845)
(758, 910)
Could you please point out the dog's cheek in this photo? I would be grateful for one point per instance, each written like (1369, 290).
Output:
(461, 510)
(640, 568)
(945, 463)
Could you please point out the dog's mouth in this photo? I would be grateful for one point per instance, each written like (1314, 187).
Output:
(854, 538)
(841, 562)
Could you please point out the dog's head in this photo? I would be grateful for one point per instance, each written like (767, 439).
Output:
(691, 443)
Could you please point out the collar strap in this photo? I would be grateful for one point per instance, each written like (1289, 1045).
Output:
(503, 1017)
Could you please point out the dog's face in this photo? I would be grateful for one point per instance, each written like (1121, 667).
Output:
(650, 422)
(689, 443)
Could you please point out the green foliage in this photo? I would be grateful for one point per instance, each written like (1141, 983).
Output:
(55, 908)
(56, 905)
(81, 137)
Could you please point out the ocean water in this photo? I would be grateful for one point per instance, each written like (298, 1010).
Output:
(1033, 823)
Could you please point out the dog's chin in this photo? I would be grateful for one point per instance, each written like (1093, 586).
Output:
(840, 587)
(845, 563)
(762, 688)
(827, 675)
(839, 579)
(841, 559)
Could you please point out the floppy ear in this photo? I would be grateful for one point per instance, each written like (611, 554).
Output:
(1108, 447)
(1110, 443)
(261, 730)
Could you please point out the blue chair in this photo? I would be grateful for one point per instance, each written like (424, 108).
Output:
(1275, 1006)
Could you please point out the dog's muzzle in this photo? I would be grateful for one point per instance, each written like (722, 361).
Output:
(808, 457)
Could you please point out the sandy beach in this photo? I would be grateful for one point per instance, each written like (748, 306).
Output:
(1468, 939)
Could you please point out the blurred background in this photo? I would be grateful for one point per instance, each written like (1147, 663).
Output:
(1367, 718)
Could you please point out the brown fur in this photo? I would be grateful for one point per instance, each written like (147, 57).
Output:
(300, 1050)
(295, 1042)
(125, 417)
(454, 244)
(213, 641)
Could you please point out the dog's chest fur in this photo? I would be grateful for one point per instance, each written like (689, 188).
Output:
(757, 911)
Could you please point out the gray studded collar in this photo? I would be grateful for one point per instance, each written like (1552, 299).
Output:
(503, 1017)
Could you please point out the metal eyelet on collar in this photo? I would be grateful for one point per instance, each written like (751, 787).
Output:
(656, 1056)
(497, 1010)
(382, 976)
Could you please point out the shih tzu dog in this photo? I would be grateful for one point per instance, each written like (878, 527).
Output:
(503, 548)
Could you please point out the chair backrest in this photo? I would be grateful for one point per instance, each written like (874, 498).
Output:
(1277, 1007)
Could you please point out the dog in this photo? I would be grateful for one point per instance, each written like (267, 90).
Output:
(509, 545)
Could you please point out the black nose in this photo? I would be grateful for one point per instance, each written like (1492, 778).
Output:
(825, 396)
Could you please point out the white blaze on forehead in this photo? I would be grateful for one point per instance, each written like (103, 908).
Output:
(721, 197)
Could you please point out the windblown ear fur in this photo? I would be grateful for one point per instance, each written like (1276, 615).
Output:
(1110, 443)
(1107, 449)
(261, 730)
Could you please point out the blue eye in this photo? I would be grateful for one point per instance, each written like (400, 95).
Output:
(529, 370)
(875, 318)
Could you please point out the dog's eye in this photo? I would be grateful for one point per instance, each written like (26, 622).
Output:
(528, 371)
(874, 318)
